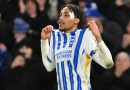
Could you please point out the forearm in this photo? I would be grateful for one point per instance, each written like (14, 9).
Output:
(44, 51)
(104, 55)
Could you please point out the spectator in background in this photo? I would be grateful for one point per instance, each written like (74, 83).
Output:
(126, 39)
(31, 15)
(119, 77)
(20, 31)
(3, 55)
(82, 5)
(43, 7)
(3, 63)
(6, 34)
(117, 10)
(33, 18)
(25, 68)
(111, 32)
(19, 57)
(9, 9)
(121, 13)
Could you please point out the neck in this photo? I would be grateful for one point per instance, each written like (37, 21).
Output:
(71, 29)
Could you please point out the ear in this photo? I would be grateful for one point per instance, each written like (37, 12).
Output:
(76, 20)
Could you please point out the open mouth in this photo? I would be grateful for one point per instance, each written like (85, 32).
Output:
(61, 23)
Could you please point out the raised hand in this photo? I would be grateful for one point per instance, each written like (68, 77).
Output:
(95, 30)
(46, 32)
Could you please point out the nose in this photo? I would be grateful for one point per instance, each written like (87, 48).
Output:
(61, 17)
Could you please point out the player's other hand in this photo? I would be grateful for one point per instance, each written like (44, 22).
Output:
(95, 30)
(46, 32)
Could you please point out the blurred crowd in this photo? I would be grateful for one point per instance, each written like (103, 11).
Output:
(21, 22)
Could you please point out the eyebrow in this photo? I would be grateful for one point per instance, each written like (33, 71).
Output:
(64, 12)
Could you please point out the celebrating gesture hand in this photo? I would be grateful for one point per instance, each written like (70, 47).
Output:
(46, 32)
(95, 30)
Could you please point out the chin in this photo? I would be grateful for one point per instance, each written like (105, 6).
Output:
(61, 29)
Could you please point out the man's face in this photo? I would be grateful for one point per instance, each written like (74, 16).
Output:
(41, 2)
(31, 7)
(122, 62)
(119, 2)
(66, 20)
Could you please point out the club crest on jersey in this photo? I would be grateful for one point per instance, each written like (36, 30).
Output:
(72, 40)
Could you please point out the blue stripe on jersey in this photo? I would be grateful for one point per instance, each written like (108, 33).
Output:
(71, 75)
(65, 40)
(76, 54)
(59, 40)
(77, 49)
(79, 82)
(49, 59)
(58, 72)
(53, 35)
(72, 39)
(92, 53)
(63, 75)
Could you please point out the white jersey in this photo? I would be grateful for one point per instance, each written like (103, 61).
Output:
(71, 54)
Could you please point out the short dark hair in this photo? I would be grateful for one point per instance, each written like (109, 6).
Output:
(78, 14)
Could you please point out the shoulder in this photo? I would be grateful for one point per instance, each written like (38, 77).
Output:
(87, 32)
(88, 35)
(55, 31)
